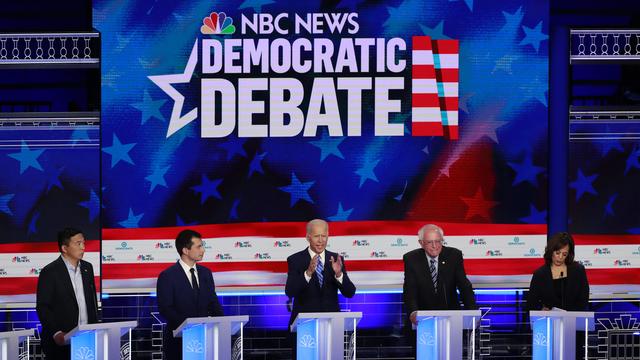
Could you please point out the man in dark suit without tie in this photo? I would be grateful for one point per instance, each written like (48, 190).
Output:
(315, 275)
(185, 290)
(66, 294)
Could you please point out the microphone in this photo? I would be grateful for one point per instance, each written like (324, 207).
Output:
(562, 289)
(444, 290)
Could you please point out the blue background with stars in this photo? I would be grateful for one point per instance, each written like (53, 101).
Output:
(603, 187)
(152, 181)
(50, 179)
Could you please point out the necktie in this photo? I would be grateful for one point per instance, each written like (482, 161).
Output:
(319, 270)
(434, 273)
(194, 281)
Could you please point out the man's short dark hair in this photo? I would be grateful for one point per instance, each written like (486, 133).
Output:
(557, 242)
(65, 235)
(184, 239)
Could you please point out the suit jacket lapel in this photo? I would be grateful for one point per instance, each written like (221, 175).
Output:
(328, 270)
(186, 282)
(66, 280)
(425, 270)
(442, 263)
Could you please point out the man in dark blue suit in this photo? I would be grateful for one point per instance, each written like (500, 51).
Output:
(315, 275)
(185, 290)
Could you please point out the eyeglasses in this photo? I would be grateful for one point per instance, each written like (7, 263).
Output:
(433, 242)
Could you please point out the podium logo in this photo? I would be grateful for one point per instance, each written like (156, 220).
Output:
(262, 256)
(427, 339)
(225, 256)
(20, 259)
(494, 253)
(84, 353)
(622, 263)
(539, 339)
(281, 243)
(478, 241)
(516, 241)
(532, 253)
(360, 243)
(602, 251)
(164, 245)
(124, 246)
(307, 341)
(194, 347)
(242, 244)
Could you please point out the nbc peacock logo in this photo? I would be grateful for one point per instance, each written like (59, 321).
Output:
(217, 24)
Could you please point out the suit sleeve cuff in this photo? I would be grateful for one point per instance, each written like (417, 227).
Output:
(339, 278)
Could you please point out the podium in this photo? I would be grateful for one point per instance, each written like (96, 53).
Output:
(439, 333)
(554, 333)
(209, 337)
(99, 340)
(9, 341)
(320, 336)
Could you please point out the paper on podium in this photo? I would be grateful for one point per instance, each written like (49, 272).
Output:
(557, 309)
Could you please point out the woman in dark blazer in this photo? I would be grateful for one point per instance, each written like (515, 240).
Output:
(560, 282)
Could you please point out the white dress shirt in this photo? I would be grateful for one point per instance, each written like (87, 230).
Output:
(187, 271)
(75, 275)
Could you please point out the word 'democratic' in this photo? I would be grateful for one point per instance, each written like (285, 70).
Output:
(286, 75)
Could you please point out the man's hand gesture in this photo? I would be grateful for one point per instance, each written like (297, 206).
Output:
(337, 266)
(312, 266)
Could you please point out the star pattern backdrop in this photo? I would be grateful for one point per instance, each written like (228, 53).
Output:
(603, 191)
(50, 179)
(495, 173)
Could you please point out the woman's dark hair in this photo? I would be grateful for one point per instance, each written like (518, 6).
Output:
(557, 242)
(184, 239)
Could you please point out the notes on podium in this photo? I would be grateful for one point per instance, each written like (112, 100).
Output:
(210, 337)
(439, 333)
(9, 341)
(320, 336)
(99, 340)
(554, 333)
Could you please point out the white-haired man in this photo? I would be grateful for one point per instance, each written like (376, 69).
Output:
(315, 275)
(432, 274)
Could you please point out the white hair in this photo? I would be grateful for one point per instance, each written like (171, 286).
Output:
(314, 222)
(430, 227)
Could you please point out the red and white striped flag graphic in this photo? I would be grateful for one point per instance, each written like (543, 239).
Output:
(435, 79)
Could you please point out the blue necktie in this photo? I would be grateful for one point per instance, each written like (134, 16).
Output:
(434, 273)
(319, 270)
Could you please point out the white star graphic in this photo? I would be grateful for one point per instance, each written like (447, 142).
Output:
(164, 82)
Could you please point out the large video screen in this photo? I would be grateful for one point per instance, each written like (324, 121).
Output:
(245, 119)
(50, 179)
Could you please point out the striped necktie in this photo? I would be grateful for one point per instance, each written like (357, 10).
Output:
(319, 271)
(434, 273)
